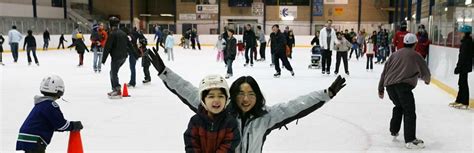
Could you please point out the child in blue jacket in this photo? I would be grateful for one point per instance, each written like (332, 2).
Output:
(45, 118)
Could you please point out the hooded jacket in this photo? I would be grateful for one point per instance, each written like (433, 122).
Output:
(255, 130)
(39, 126)
(206, 135)
(465, 56)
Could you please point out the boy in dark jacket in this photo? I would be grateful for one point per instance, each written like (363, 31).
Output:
(118, 46)
(30, 43)
(61, 41)
(212, 129)
(45, 118)
(250, 41)
(145, 61)
(463, 67)
(230, 52)
(278, 48)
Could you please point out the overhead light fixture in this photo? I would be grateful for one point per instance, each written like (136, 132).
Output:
(446, 9)
(145, 14)
(167, 15)
(468, 2)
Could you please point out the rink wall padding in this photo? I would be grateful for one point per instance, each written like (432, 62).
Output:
(442, 61)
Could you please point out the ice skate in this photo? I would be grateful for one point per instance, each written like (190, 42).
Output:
(1, 63)
(276, 75)
(452, 104)
(395, 135)
(292, 73)
(228, 76)
(415, 144)
(116, 94)
(146, 81)
(460, 106)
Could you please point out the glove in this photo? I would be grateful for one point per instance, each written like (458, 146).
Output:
(337, 85)
(456, 70)
(76, 125)
(156, 60)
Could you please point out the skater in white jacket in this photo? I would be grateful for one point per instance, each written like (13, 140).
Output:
(169, 46)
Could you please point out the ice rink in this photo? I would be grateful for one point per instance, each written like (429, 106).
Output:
(154, 120)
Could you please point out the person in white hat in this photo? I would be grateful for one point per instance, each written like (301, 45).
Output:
(400, 76)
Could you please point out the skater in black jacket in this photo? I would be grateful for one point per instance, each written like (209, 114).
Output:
(118, 46)
(463, 67)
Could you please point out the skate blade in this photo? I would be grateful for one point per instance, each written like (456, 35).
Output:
(115, 97)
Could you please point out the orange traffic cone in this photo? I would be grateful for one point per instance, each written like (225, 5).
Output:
(75, 142)
(125, 91)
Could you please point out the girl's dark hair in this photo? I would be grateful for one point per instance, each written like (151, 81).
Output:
(259, 107)
(206, 92)
(30, 32)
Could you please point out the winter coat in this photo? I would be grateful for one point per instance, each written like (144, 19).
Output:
(291, 40)
(30, 41)
(14, 36)
(370, 49)
(465, 56)
(169, 41)
(118, 46)
(250, 39)
(80, 46)
(398, 39)
(1, 43)
(104, 37)
(423, 45)
(230, 49)
(255, 130)
(220, 45)
(39, 126)
(315, 41)
(323, 39)
(278, 43)
(404, 66)
(206, 135)
(342, 45)
(46, 36)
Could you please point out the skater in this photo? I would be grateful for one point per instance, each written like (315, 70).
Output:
(250, 42)
(424, 42)
(278, 49)
(73, 36)
(463, 67)
(169, 46)
(45, 118)
(229, 52)
(212, 129)
(382, 46)
(370, 52)
(399, 35)
(145, 62)
(46, 39)
(315, 40)
(14, 38)
(240, 48)
(1, 49)
(98, 39)
(247, 105)
(263, 43)
(342, 47)
(220, 45)
(61, 41)
(30, 43)
(193, 35)
(80, 48)
(118, 46)
(327, 38)
(158, 36)
(400, 76)
(290, 43)
(132, 60)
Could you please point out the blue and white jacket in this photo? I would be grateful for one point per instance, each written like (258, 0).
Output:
(43, 120)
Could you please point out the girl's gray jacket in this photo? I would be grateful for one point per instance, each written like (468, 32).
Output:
(256, 129)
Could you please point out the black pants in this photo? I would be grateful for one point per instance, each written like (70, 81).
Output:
(402, 96)
(370, 62)
(326, 61)
(252, 54)
(284, 60)
(114, 68)
(291, 51)
(146, 68)
(356, 50)
(463, 92)
(61, 43)
(263, 46)
(32, 49)
(193, 43)
(343, 56)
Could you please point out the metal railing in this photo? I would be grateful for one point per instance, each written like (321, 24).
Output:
(38, 25)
